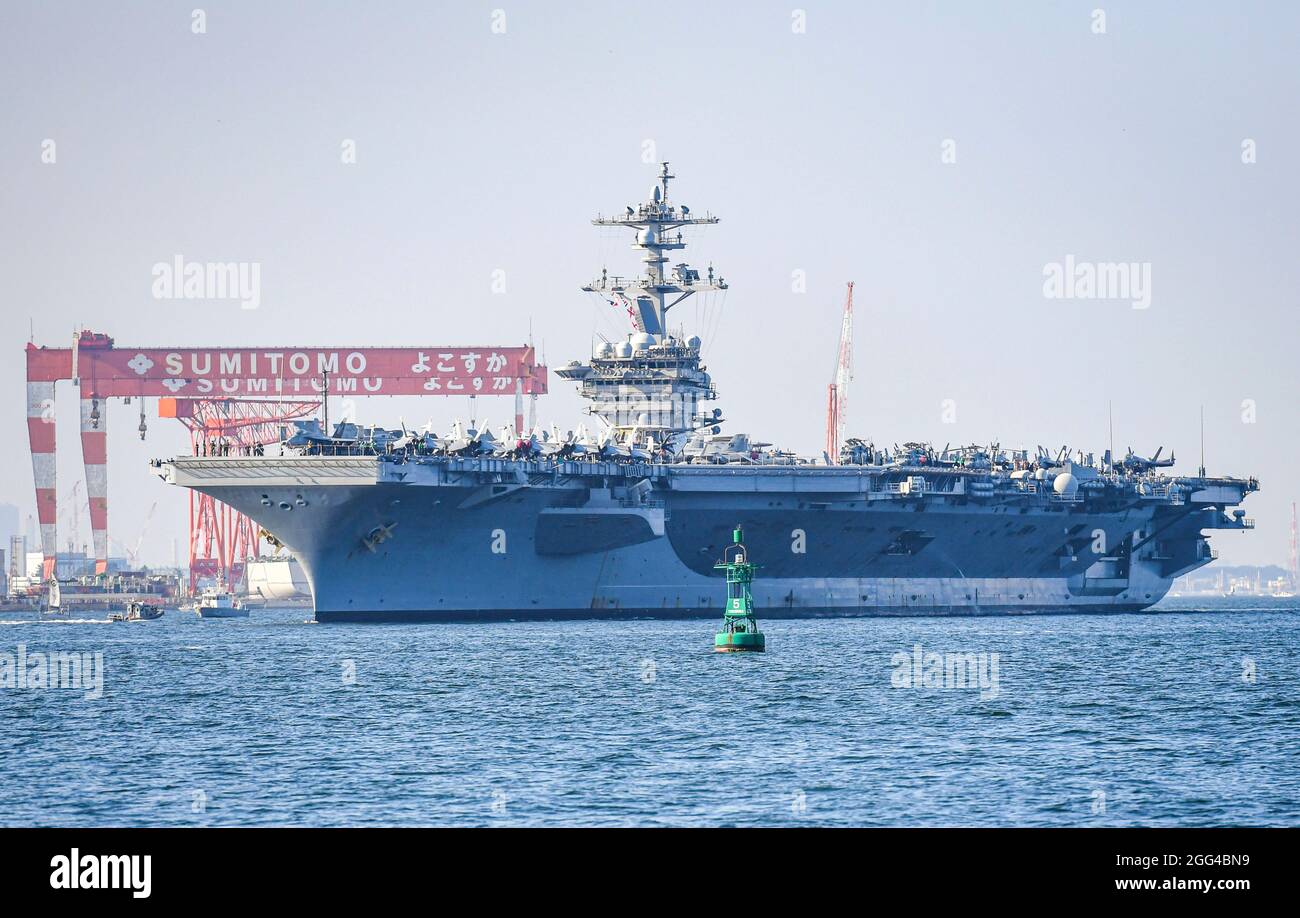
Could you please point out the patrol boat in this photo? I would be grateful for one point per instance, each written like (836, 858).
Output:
(138, 612)
(627, 519)
(219, 604)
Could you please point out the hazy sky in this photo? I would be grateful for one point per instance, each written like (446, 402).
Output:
(822, 150)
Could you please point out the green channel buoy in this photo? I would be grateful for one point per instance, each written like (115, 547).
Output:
(739, 626)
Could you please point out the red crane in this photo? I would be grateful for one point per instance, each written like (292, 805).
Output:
(235, 398)
(220, 538)
(837, 403)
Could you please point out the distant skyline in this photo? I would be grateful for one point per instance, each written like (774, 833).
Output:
(425, 174)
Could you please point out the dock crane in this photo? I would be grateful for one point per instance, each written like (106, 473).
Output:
(837, 403)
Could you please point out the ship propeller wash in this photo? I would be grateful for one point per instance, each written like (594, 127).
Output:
(628, 518)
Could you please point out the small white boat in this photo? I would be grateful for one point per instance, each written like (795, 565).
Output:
(220, 605)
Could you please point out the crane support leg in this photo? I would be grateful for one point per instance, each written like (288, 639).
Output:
(94, 456)
(40, 435)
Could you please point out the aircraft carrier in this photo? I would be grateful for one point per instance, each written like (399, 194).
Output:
(629, 519)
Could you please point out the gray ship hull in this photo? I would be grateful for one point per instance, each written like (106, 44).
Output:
(453, 539)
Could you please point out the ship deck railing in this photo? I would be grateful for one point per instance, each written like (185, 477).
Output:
(1172, 495)
(908, 488)
(633, 503)
(938, 479)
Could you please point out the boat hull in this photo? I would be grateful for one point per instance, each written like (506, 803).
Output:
(223, 613)
(455, 541)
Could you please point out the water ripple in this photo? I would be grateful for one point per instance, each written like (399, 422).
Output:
(1180, 719)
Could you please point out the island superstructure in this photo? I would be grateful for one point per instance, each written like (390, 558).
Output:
(629, 518)
(649, 386)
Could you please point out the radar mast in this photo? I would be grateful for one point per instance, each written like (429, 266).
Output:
(658, 223)
(646, 388)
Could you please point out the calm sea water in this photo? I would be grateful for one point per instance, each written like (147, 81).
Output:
(1189, 718)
